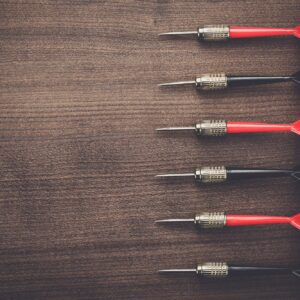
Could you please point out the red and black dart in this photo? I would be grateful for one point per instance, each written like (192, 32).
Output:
(220, 220)
(222, 127)
(224, 32)
(217, 81)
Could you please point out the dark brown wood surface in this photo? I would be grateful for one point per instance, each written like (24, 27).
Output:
(79, 103)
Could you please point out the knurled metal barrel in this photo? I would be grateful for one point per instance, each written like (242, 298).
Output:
(213, 174)
(211, 128)
(214, 32)
(213, 270)
(211, 220)
(211, 81)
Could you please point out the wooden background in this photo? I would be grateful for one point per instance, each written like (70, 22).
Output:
(79, 103)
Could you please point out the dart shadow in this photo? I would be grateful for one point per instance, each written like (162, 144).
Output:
(236, 90)
(173, 88)
(255, 140)
(180, 226)
(177, 38)
(215, 235)
(262, 43)
(277, 40)
(173, 181)
(189, 182)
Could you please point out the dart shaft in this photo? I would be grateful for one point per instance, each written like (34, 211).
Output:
(251, 80)
(237, 32)
(243, 173)
(239, 270)
(244, 220)
(244, 127)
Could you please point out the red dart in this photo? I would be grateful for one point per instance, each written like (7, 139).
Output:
(222, 127)
(225, 32)
(220, 219)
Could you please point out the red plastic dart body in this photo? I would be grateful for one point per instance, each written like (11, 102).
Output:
(245, 220)
(238, 32)
(244, 127)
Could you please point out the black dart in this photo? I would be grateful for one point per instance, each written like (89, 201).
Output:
(216, 174)
(222, 270)
(222, 80)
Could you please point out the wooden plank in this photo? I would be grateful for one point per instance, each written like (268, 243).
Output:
(79, 103)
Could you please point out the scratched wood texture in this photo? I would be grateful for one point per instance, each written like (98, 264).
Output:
(79, 103)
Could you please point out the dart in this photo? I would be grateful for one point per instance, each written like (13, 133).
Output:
(226, 32)
(219, 174)
(218, 81)
(221, 270)
(220, 219)
(222, 127)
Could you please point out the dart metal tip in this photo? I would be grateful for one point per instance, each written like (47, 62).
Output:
(175, 175)
(174, 220)
(178, 33)
(175, 128)
(177, 271)
(176, 83)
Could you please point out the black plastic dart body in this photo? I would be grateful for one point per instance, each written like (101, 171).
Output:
(240, 173)
(216, 174)
(222, 270)
(222, 81)
(242, 80)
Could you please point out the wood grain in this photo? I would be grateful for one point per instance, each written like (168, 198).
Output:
(78, 152)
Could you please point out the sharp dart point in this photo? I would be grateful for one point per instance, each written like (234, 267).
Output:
(175, 128)
(175, 175)
(175, 83)
(178, 271)
(174, 220)
(178, 33)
